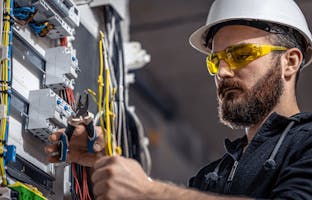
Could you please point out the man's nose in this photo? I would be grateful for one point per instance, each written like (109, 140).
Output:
(224, 70)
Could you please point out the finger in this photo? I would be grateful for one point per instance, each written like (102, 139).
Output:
(51, 148)
(102, 174)
(56, 135)
(99, 143)
(100, 189)
(99, 131)
(83, 159)
(102, 197)
(104, 161)
(79, 130)
(54, 159)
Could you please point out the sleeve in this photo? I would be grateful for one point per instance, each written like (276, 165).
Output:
(295, 180)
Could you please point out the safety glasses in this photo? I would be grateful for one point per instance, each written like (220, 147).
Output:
(238, 56)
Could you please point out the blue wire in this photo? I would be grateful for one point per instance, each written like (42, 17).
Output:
(9, 76)
(23, 13)
(36, 28)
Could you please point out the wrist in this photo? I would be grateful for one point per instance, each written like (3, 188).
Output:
(157, 190)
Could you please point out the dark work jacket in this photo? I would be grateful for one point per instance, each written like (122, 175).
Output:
(258, 172)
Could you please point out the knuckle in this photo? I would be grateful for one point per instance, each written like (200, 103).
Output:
(110, 172)
(114, 159)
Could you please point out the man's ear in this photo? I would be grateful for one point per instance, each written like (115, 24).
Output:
(292, 60)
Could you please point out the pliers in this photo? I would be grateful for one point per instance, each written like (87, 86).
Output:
(81, 116)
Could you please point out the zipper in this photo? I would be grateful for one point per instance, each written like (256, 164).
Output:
(230, 178)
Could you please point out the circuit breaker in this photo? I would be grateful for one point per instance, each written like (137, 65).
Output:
(61, 68)
(68, 10)
(47, 112)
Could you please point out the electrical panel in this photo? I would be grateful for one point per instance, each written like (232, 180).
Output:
(37, 82)
(61, 68)
(47, 113)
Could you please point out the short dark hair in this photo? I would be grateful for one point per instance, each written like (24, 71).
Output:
(291, 39)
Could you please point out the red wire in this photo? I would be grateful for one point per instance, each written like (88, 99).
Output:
(64, 42)
(77, 186)
(72, 95)
(86, 195)
(68, 97)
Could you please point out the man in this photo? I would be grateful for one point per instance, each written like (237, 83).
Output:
(255, 52)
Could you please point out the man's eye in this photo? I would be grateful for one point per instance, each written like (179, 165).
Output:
(215, 60)
(241, 57)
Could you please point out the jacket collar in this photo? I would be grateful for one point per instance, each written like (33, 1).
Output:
(275, 124)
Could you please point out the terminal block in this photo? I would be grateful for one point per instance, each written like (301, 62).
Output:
(47, 113)
(61, 68)
(45, 13)
(27, 191)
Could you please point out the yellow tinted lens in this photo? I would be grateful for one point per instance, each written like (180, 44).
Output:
(212, 62)
(241, 55)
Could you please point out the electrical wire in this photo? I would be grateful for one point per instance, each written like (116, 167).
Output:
(76, 183)
(86, 195)
(5, 79)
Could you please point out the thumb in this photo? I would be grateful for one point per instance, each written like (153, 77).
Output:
(99, 144)
(97, 147)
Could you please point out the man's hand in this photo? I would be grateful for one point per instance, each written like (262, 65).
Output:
(119, 178)
(78, 147)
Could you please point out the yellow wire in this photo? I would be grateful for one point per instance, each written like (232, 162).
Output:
(100, 81)
(107, 113)
(106, 123)
(4, 87)
(93, 95)
(107, 136)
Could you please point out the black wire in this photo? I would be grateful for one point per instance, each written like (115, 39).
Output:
(90, 185)
(72, 181)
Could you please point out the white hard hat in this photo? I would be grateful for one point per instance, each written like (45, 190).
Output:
(280, 12)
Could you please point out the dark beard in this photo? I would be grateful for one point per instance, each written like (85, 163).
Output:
(252, 107)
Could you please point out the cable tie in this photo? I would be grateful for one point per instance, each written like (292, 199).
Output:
(2, 81)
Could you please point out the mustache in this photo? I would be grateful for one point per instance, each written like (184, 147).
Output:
(227, 85)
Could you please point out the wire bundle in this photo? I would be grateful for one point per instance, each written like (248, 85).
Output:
(128, 129)
(80, 185)
(6, 77)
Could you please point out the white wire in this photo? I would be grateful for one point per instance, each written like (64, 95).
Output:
(143, 144)
(125, 130)
(97, 117)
